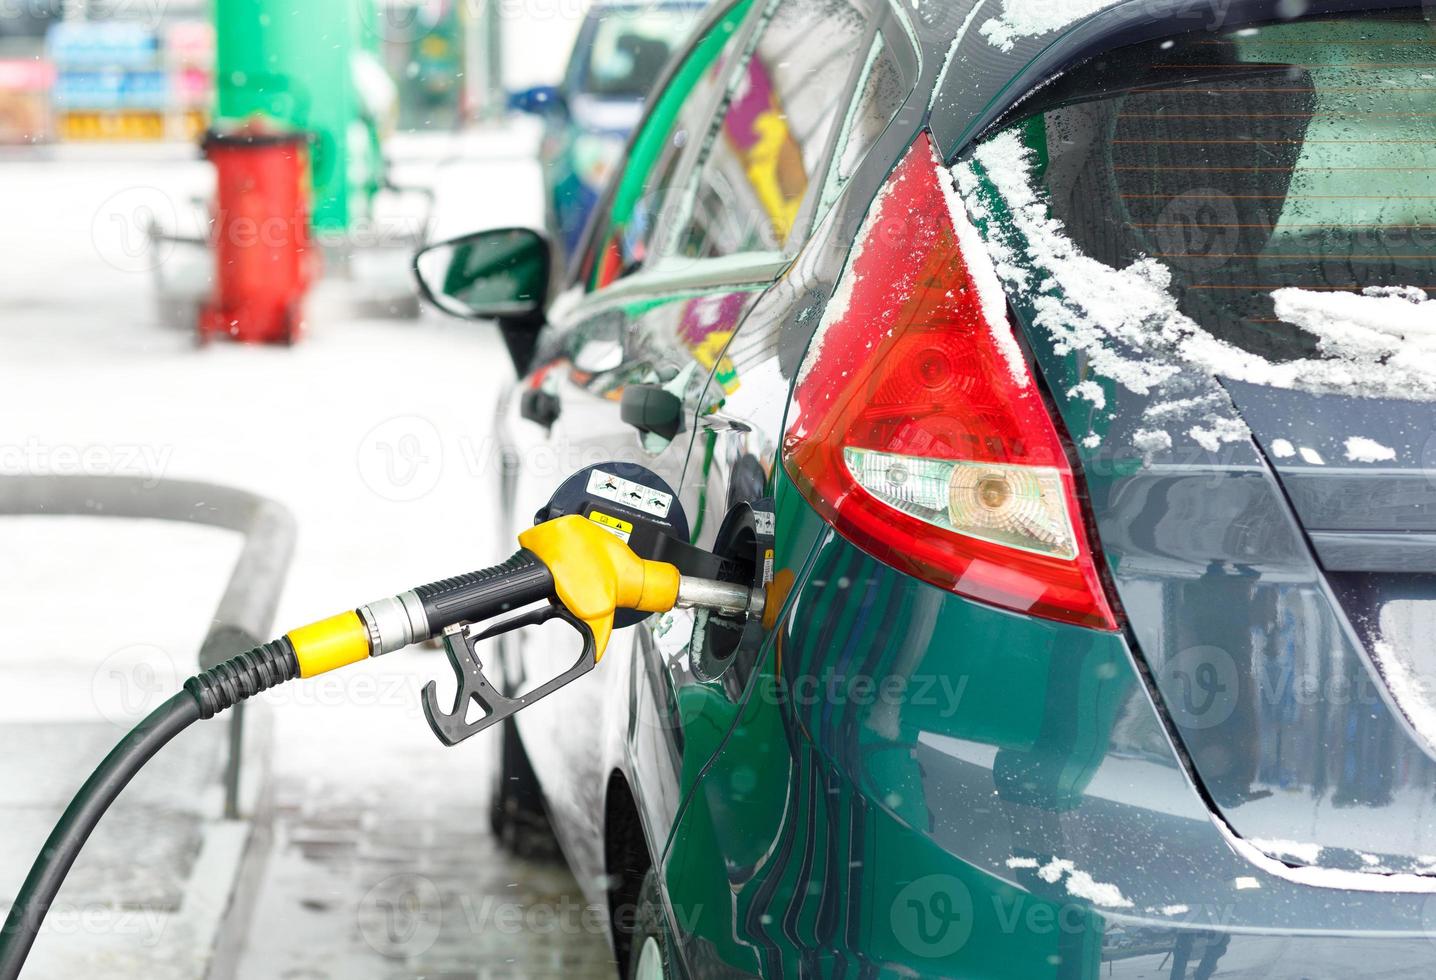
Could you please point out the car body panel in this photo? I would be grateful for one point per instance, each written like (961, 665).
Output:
(1261, 671)
(738, 431)
(1332, 488)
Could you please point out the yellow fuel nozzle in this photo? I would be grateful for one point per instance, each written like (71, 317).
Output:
(594, 573)
(588, 574)
(570, 559)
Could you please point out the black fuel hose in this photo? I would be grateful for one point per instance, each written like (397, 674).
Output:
(37, 894)
(204, 695)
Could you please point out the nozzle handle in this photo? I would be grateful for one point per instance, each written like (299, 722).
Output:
(452, 726)
(476, 596)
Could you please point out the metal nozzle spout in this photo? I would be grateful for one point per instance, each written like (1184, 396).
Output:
(725, 597)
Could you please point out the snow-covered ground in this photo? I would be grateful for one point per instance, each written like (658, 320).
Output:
(375, 433)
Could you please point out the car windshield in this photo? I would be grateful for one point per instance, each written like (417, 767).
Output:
(1274, 184)
(630, 48)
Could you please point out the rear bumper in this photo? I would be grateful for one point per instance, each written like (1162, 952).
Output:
(925, 785)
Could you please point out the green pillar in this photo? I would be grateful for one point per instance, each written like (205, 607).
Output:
(288, 61)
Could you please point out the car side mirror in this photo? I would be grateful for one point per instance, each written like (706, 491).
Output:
(652, 409)
(502, 274)
(540, 100)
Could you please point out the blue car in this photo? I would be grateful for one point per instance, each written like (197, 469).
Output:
(620, 51)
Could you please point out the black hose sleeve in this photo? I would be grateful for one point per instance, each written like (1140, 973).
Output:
(243, 676)
(37, 894)
(479, 595)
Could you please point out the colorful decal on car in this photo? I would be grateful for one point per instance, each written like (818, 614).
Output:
(707, 326)
(757, 128)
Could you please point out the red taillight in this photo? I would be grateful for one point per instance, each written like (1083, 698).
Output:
(916, 428)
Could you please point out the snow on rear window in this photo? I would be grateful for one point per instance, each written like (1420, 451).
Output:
(1129, 326)
(1254, 205)
(1394, 326)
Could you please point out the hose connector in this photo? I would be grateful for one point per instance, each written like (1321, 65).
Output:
(395, 622)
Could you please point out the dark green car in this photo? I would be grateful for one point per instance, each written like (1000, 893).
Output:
(1084, 358)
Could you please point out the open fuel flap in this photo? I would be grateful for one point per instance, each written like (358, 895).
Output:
(743, 551)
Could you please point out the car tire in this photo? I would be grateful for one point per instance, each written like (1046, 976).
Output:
(516, 809)
(648, 952)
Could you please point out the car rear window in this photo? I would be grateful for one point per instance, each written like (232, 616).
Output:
(1280, 178)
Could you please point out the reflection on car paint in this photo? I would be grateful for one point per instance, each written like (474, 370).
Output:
(757, 128)
(708, 324)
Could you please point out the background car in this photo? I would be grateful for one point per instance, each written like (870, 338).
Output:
(621, 48)
(1095, 418)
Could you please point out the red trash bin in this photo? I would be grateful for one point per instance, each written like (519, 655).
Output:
(265, 259)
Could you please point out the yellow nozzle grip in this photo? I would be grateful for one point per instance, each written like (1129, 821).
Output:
(329, 643)
(594, 573)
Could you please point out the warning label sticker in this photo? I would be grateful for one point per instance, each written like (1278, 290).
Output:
(617, 526)
(630, 494)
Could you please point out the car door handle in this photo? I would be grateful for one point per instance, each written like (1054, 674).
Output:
(540, 406)
(718, 422)
(652, 408)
